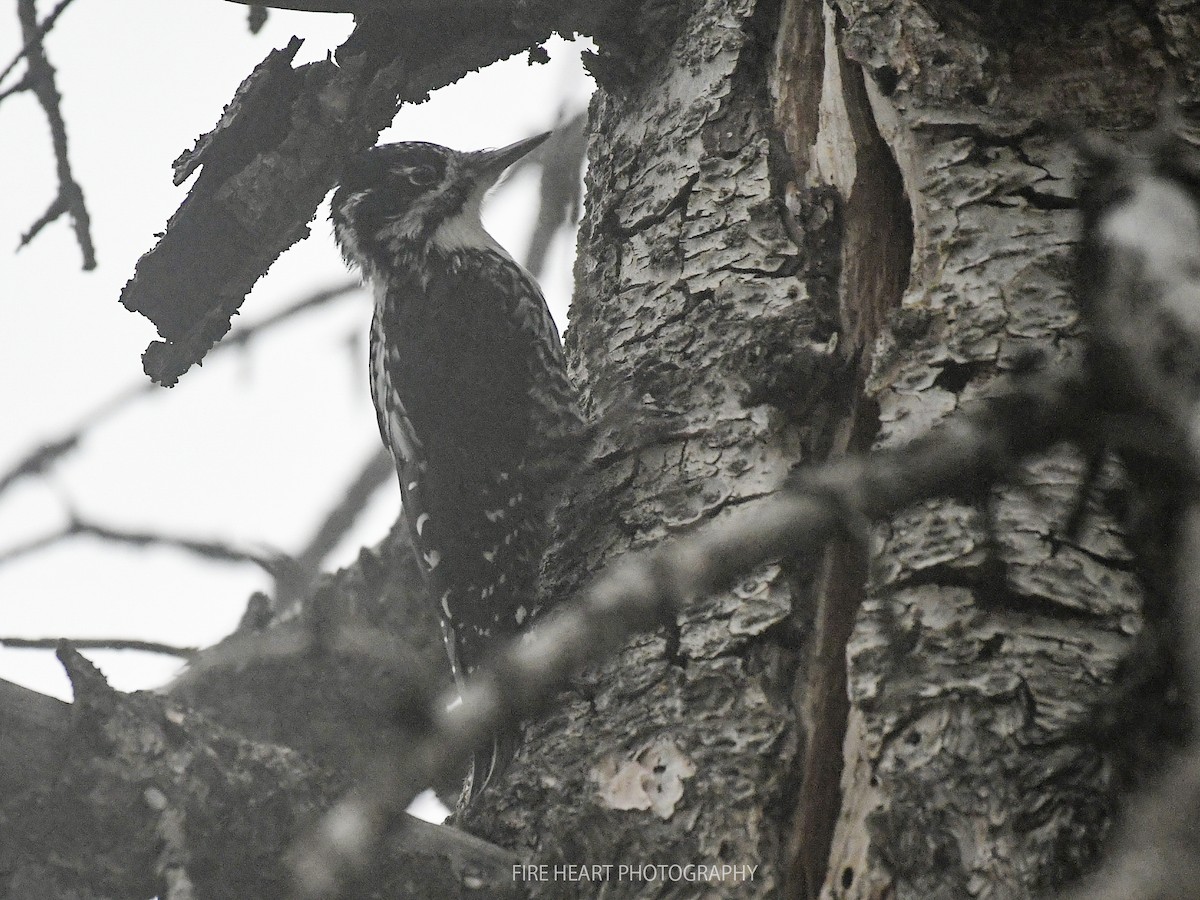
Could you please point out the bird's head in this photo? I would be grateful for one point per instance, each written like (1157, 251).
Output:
(411, 194)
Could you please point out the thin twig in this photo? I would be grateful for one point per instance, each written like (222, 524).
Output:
(42, 457)
(244, 335)
(46, 24)
(1140, 283)
(41, 81)
(334, 527)
(99, 644)
(561, 188)
(17, 86)
(273, 563)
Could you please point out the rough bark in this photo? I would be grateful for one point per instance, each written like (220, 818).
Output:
(774, 208)
(699, 297)
(328, 674)
(134, 795)
(988, 636)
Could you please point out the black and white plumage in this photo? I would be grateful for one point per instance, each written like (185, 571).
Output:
(468, 380)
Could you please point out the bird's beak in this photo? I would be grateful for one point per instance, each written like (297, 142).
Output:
(490, 164)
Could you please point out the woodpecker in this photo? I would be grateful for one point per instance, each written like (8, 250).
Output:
(469, 384)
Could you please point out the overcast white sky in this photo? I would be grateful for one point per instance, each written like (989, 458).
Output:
(256, 446)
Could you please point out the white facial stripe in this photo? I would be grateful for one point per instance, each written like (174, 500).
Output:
(465, 231)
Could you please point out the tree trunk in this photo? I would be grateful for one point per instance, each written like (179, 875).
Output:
(811, 229)
(721, 282)
(989, 635)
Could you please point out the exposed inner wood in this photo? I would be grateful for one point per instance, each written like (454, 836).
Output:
(824, 113)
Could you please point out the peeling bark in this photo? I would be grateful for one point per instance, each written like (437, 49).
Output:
(987, 639)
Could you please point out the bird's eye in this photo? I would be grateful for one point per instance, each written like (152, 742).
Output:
(423, 176)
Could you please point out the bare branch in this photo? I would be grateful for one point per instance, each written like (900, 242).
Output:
(45, 25)
(57, 207)
(336, 524)
(43, 757)
(561, 162)
(22, 85)
(1141, 265)
(292, 576)
(273, 563)
(14, 643)
(42, 457)
(40, 79)
(244, 335)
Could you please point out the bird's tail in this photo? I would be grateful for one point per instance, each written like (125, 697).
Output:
(488, 765)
